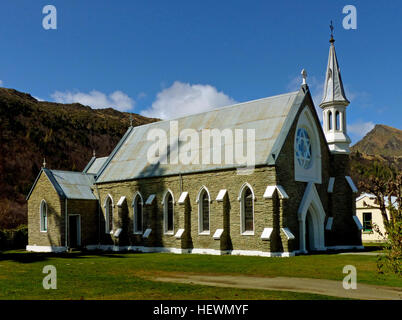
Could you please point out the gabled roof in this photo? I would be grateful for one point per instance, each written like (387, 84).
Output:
(94, 165)
(68, 184)
(270, 117)
(372, 196)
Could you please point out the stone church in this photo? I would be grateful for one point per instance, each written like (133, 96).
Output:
(297, 199)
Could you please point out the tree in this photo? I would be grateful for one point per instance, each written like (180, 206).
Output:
(386, 184)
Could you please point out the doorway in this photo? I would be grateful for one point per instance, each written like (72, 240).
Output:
(74, 227)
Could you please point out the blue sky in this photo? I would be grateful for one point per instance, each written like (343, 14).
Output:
(167, 58)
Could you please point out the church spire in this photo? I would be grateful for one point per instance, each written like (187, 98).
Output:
(334, 103)
(333, 87)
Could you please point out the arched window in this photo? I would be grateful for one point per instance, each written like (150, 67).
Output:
(307, 148)
(203, 210)
(337, 121)
(329, 120)
(43, 216)
(247, 209)
(109, 214)
(137, 213)
(168, 213)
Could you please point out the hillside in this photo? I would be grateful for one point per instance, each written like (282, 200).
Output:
(64, 134)
(382, 140)
(383, 146)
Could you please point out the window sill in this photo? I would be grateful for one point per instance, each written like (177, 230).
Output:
(138, 232)
(42, 231)
(204, 233)
(247, 233)
(169, 233)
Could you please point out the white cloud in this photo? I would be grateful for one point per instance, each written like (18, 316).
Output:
(359, 129)
(1, 83)
(96, 99)
(182, 99)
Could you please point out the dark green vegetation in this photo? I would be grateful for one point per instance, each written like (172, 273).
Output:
(126, 275)
(64, 134)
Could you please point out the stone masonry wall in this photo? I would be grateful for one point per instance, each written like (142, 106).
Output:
(55, 230)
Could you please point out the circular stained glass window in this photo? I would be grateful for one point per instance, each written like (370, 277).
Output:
(303, 148)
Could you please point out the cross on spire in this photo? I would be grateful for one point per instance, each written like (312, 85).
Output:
(131, 120)
(331, 26)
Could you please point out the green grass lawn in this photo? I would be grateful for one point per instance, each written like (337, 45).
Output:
(121, 275)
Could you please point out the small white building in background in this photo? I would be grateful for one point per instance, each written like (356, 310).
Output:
(369, 213)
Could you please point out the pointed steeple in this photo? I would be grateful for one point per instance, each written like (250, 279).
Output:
(334, 103)
(333, 88)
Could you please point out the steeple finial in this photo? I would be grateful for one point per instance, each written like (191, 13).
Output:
(131, 120)
(331, 26)
(304, 76)
(94, 153)
(44, 163)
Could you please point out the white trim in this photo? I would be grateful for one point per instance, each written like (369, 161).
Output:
(182, 197)
(200, 192)
(179, 233)
(289, 235)
(136, 230)
(351, 184)
(242, 209)
(331, 185)
(107, 213)
(246, 184)
(41, 226)
(269, 192)
(191, 251)
(358, 223)
(147, 233)
(165, 194)
(221, 195)
(329, 223)
(35, 248)
(218, 233)
(165, 213)
(121, 200)
(117, 233)
(311, 202)
(201, 213)
(266, 234)
(150, 200)
(261, 253)
(314, 172)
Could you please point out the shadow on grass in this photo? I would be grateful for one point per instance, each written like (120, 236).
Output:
(30, 257)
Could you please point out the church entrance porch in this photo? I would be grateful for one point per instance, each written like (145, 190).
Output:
(311, 216)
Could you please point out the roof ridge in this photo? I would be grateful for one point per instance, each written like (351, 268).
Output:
(221, 108)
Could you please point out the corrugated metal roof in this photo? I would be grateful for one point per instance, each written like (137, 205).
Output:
(74, 185)
(96, 165)
(270, 117)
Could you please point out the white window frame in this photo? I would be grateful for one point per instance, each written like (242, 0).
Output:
(242, 210)
(165, 212)
(314, 172)
(43, 223)
(200, 211)
(107, 214)
(138, 197)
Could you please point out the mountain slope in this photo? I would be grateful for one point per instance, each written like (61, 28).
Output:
(64, 134)
(381, 146)
(382, 140)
